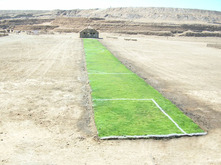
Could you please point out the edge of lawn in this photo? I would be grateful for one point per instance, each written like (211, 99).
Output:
(164, 99)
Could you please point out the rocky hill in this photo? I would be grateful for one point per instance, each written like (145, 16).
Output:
(147, 21)
(148, 14)
(136, 14)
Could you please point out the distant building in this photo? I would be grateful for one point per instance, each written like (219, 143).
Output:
(89, 33)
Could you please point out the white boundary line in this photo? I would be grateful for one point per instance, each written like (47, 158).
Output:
(99, 72)
(120, 99)
(151, 136)
(168, 116)
(110, 73)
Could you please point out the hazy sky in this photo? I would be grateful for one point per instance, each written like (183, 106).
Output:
(85, 4)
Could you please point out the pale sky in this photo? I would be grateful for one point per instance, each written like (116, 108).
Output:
(86, 4)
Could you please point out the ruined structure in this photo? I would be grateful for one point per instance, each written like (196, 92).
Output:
(89, 33)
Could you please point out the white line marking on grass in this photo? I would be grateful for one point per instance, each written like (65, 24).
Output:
(168, 116)
(110, 73)
(151, 136)
(119, 99)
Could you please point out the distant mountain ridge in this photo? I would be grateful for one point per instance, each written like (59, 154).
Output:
(143, 21)
(150, 14)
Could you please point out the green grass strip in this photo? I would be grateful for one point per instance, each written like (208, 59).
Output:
(110, 79)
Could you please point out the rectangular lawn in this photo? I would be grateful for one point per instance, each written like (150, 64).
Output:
(125, 106)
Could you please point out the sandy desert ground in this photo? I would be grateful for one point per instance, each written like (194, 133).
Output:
(45, 114)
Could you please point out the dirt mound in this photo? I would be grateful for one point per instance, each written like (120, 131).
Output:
(2, 35)
(218, 46)
(12, 23)
(35, 27)
(203, 34)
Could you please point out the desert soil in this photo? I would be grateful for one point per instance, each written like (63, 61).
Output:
(45, 110)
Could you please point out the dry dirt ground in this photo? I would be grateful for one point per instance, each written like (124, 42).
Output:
(45, 114)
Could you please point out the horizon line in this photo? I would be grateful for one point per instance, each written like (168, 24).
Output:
(107, 8)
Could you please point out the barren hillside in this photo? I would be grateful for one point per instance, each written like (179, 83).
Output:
(136, 14)
(147, 21)
(149, 14)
